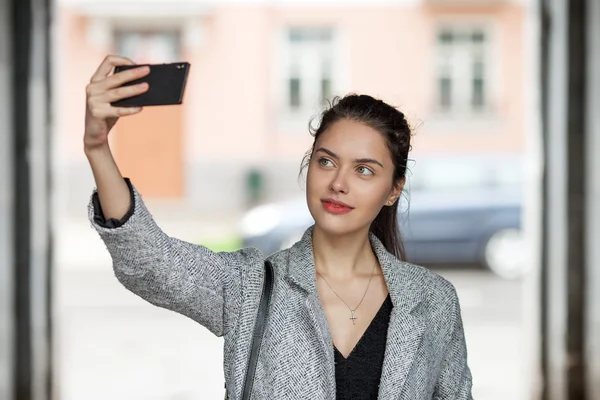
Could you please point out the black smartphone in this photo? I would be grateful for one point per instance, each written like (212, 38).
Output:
(166, 85)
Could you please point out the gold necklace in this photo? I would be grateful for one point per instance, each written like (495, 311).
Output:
(353, 316)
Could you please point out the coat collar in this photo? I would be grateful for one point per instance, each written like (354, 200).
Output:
(401, 284)
(405, 328)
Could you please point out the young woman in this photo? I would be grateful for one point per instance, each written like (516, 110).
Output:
(348, 318)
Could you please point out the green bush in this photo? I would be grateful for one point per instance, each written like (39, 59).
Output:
(230, 243)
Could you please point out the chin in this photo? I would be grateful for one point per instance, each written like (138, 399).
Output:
(335, 228)
(336, 225)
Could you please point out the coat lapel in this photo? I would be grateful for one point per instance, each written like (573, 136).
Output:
(404, 337)
(301, 271)
(405, 328)
(319, 323)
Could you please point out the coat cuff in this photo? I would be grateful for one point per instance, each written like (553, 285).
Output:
(112, 223)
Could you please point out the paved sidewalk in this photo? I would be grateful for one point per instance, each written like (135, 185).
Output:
(126, 349)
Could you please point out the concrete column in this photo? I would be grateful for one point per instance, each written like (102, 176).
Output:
(554, 226)
(40, 176)
(569, 276)
(6, 205)
(24, 225)
(593, 196)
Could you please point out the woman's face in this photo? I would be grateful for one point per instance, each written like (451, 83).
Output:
(350, 164)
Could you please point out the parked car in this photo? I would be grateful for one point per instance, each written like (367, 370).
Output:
(441, 224)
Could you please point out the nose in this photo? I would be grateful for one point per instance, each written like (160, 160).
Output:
(339, 183)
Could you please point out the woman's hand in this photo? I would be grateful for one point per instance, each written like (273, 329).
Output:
(104, 89)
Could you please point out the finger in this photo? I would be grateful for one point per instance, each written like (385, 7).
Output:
(108, 64)
(120, 78)
(125, 92)
(114, 81)
(124, 111)
(113, 112)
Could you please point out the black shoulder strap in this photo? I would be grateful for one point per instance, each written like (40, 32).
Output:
(259, 328)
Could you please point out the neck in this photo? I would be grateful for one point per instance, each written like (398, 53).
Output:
(342, 257)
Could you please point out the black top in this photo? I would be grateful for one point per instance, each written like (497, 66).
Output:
(357, 377)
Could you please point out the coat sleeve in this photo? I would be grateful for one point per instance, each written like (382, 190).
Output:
(190, 279)
(455, 380)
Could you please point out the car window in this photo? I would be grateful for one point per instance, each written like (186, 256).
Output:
(459, 173)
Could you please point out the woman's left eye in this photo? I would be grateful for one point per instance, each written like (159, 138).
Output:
(364, 171)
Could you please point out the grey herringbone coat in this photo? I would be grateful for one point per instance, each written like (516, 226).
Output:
(425, 357)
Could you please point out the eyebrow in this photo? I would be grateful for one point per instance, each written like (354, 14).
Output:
(356, 160)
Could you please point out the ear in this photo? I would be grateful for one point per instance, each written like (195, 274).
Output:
(395, 192)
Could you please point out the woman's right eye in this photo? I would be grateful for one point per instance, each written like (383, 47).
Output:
(323, 161)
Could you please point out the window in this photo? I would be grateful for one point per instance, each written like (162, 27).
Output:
(462, 70)
(307, 70)
(149, 46)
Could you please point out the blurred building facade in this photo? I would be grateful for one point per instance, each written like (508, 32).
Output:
(260, 71)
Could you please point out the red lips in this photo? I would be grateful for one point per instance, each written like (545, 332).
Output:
(336, 202)
(336, 207)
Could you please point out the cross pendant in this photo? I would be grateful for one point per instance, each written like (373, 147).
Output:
(353, 317)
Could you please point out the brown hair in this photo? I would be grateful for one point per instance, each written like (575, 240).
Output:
(392, 124)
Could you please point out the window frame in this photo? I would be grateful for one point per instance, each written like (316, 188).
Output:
(461, 102)
(289, 119)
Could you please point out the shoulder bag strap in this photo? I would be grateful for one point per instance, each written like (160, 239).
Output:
(259, 328)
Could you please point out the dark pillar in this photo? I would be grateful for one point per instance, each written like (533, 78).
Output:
(25, 271)
(592, 144)
(570, 128)
(6, 205)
